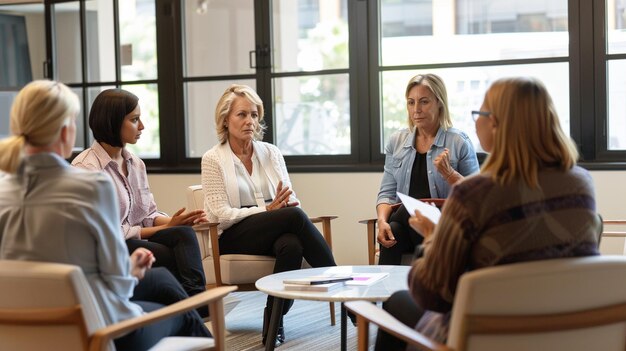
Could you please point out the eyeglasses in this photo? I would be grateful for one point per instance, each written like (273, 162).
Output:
(476, 114)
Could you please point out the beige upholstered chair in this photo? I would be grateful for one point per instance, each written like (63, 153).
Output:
(50, 306)
(242, 270)
(562, 304)
(372, 250)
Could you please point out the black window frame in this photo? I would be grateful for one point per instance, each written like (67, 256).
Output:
(587, 85)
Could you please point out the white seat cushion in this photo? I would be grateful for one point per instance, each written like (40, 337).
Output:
(245, 269)
(183, 344)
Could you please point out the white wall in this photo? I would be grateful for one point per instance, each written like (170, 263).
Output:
(352, 196)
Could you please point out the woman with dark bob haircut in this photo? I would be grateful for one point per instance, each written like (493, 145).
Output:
(115, 120)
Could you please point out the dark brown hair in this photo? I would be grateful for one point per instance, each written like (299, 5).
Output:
(108, 112)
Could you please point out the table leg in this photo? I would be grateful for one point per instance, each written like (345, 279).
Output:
(344, 327)
(272, 329)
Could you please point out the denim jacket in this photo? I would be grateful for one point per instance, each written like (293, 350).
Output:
(400, 155)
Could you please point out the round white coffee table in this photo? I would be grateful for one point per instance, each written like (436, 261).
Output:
(378, 291)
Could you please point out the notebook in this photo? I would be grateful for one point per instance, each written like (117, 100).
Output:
(315, 287)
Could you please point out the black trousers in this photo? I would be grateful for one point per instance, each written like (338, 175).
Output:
(286, 233)
(157, 289)
(406, 238)
(402, 306)
(177, 249)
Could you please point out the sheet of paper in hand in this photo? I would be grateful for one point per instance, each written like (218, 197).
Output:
(411, 204)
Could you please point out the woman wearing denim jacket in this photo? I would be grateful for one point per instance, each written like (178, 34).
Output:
(423, 161)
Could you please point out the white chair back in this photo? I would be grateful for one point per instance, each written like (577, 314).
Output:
(46, 306)
(578, 294)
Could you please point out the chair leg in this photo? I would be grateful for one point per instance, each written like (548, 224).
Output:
(331, 305)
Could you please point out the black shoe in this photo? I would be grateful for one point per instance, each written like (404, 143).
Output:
(352, 317)
(280, 335)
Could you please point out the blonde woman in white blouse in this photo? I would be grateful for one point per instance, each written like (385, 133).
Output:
(248, 191)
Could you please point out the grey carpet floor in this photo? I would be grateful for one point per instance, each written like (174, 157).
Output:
(307, 326)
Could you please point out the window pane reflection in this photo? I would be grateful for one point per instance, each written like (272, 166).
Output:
(80, 122)
(312, 115)
(309, 35)
(100, 41)
(616, 26)
(23, 49)
(218, 37)
(466, 89)
(616, 79)
(478, 30)
(138, 40)
(67, 39)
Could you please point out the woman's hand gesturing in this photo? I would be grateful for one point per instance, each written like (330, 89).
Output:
(140, 261)
(281, 199)
(189, 218)
(443, 166)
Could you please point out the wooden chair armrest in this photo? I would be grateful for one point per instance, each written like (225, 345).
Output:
(366, 313)
(208, 231)
(435, 201)
(213, 297)
(320, 219)
(371, 239)
(613, 234)
(204, 226)
(614, 221)
(326, 230)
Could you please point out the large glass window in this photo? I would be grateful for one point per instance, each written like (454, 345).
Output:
(89, 57)
(331, 73)
(477, 36)
(466, 88)
(312, 112)
(312, 115)
(22, 53)
(616, 74)
(219, 46)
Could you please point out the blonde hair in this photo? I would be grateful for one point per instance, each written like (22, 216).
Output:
(528, 135)
(223, 108)
(38, 113)
(435, 84)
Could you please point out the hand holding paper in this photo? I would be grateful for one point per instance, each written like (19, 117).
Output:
(424, 220)
(428, 211)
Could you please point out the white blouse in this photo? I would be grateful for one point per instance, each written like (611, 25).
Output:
(251, 184)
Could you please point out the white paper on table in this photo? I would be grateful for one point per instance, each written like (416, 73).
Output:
(411, 204)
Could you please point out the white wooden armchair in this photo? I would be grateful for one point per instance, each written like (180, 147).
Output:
(238, 269)
(562, 304)
(50, 306)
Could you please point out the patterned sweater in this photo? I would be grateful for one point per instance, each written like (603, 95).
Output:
(484, 224)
